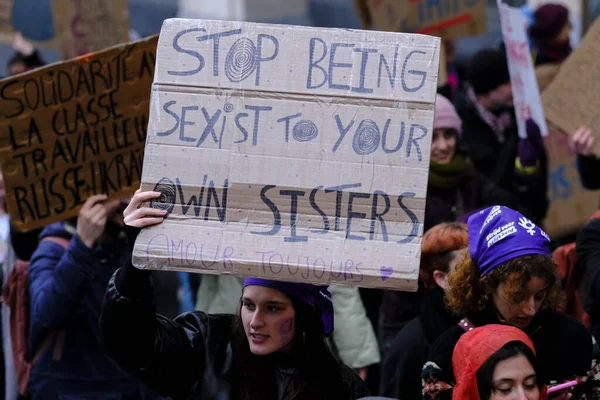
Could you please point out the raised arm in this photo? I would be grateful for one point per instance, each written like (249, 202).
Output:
(167, 355)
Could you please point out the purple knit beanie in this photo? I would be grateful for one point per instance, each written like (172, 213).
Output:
(550, 19)
(499, 234)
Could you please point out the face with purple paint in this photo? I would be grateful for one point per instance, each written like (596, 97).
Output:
(269, 320)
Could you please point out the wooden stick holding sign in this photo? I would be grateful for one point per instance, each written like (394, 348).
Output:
(75, 129)
(290, 153)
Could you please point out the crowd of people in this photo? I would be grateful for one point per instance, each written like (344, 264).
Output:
(488, 321)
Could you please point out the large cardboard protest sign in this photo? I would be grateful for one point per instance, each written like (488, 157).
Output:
(290, 153)
(572, 98)
(74, 129)
(91, 25)
(525, 89)
(448, 19)
(571, 205)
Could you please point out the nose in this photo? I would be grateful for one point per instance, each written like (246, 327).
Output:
(521, 394)
(442, 144)
(257, 320)
(529, 307)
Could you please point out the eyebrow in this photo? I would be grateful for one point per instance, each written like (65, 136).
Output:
(510, 380)
(503, 380)
(275, 303)
(268, 302)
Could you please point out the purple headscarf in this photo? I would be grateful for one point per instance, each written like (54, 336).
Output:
(315, 296)
(499, 234)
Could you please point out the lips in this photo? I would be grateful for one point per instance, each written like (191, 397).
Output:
(442, 156)
(523, 321)
(258, 338)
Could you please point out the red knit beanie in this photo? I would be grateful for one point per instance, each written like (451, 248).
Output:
(550, 19)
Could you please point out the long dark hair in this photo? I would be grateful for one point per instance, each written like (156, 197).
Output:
(485, 373)
(311, 357)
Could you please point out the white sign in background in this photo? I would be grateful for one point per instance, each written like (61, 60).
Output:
(526, 93)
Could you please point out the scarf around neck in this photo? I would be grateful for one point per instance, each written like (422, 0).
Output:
(498, 123)
(553, 52)
(448, 176)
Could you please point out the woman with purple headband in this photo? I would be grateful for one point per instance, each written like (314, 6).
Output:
(508, 277)
(273, 349)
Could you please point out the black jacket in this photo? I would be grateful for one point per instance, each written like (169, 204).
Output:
(588, 258)
(589, 171)
(564, 347)
(474, 192)
(496, 161)
(186, 358)
(401, 370)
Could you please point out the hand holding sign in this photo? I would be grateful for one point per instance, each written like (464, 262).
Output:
(582, 142)
(92, 218)
(22, 46)
(531, 148)
(144, 216)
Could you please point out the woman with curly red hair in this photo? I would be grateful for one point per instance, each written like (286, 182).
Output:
(508, 277)
(443, 246)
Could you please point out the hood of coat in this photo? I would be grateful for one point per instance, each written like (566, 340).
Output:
(59, 229)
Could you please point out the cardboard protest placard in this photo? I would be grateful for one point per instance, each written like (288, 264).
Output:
(290, 153)
(93, 25)
(572, 99)
(74, 129)
(448, 19)
(545, 74)
(525, 89)
(571, 205)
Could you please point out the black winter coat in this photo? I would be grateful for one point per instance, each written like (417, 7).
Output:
(186, 358)
(401, 370)
(474, 192)
(589, 171)
(496, 161)
(588, 258)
